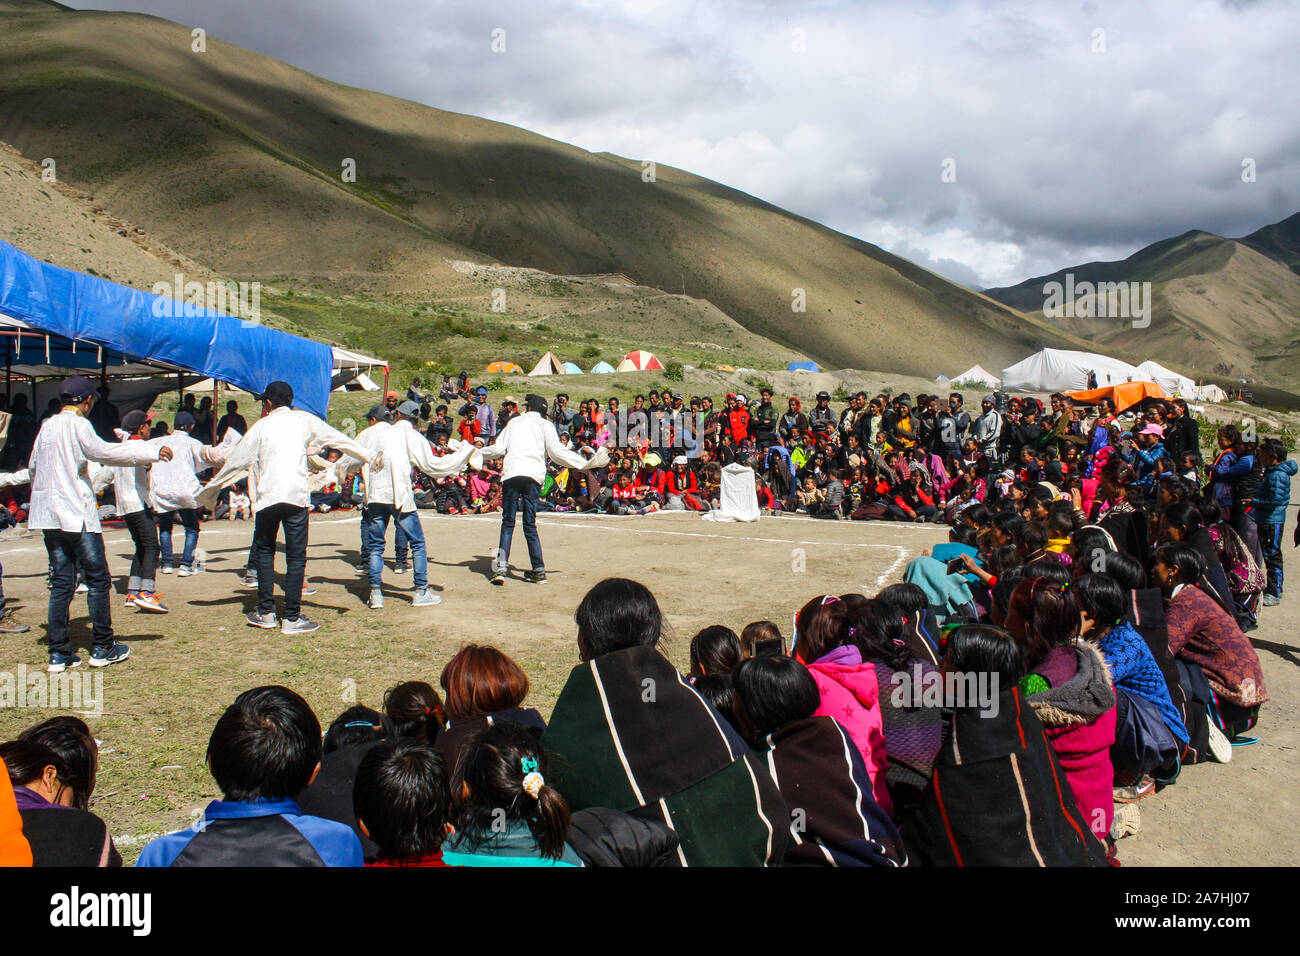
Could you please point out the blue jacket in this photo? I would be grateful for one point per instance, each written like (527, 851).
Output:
(1274, 493)
(256, 833)
(1133, 667)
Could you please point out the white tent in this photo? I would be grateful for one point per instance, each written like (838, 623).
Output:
(362, 383)
(978, 373)
(1175, 385)
(548, 364)
(1211, 393)
(1061, 370)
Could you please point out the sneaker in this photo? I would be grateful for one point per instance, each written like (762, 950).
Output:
(453, 511)
(362, 568)
(308, 590)
(535, 577)
(498, 576)
(61, 662)
(130, 599)
(167, 570)
(267, 620)
(299, 625)
(82, 588)
(103, 656)
(11, 625)
(149, 602)
(1220, 746)
(1127, 821)
(376, 599)
(1272, 600)
(324, 509)
(184, 571)
(248, 580)
(402, 567)
(425, 598)
(1136, 791)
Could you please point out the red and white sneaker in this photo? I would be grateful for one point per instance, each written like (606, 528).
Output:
(145, 601)
(130, 598)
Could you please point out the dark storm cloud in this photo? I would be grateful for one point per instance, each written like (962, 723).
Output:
(1076, 131)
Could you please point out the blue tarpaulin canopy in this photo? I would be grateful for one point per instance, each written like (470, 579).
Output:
(802, 367)
(91, 321)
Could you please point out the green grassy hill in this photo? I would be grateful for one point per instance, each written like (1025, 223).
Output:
(236, 160)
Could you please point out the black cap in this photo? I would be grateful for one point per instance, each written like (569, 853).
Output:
(378, 412)
(278, 393)
(132, 421)
(184, 420)
(535, 403)
(76, 388)
(821, 395)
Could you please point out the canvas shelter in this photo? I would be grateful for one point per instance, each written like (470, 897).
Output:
(640, 360)
(548, 364)
(1063, 370)
(507, 368)
(802, 367)
(571, 369)
(1124, 396)
(1175, 385)
(602, 368)
(56, 322)
(978, 373)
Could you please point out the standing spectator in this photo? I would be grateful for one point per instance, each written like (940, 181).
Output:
(1268, 508)
(232, 419)
(172, 490)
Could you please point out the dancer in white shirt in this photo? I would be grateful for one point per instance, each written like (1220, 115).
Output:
(274, 455)
(131, 489)
(389, 495)
(525, 444)
(63, 507)
(172, 490)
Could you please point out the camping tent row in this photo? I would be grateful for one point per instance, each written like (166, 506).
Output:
(635, 361)
(1064, 370)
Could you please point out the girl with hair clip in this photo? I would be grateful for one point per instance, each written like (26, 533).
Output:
(505, 813)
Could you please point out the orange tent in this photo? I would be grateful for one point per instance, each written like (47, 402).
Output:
(509, 368)
(1125, 395)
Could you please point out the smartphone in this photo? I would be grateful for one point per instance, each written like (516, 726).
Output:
(956, 566)
(775, 647)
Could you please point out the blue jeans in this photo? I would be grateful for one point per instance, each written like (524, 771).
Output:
(189, 518)
(70, 552)
(401, 547)
(376, 522)
(514, 491)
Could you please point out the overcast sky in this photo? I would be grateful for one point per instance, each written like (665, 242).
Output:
(1077, 130)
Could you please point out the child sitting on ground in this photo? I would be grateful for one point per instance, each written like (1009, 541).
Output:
(402, 802)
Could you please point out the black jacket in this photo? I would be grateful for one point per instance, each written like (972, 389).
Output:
(605, 837)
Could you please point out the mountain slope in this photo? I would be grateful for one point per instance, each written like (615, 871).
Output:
(1219, 306)
(236, 159)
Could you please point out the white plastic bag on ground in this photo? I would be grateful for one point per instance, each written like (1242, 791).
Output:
(737, 499)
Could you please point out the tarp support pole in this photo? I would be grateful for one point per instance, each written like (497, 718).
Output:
(385, 379)
(216, 403)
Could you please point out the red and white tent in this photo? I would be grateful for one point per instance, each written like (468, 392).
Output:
(639, 361)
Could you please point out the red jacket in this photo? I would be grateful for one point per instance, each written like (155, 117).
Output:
(738, 419)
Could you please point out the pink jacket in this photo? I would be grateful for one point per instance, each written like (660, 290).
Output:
(851, 695)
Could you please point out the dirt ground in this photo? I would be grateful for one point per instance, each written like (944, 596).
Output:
(159, 707)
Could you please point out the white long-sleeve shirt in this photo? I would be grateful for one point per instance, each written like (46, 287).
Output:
(274, 454)
(403, 448)
(62, 496)
(174, 484)
(527, 441)
(130, 482)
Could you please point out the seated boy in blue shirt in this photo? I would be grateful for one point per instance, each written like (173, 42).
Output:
(265, 749)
